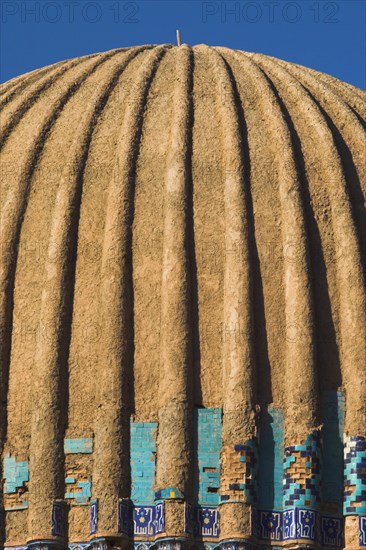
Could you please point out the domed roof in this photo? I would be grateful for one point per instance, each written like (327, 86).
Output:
(182, 229)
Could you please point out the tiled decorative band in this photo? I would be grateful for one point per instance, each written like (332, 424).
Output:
(149, 521)
(202, 522)
(299, 524)
(141, 521)
(354, 500)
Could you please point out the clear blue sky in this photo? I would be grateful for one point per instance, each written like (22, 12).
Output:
(326, 35)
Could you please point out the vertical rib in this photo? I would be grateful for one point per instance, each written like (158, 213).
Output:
(301, 399)
(175, 399)
(22, 104)
(355, 97)
(111, 425)
(349, 275)
(50, 378)
(238, 342)
(349, 135)
(21, 83)
(12, 213)
(239, 372)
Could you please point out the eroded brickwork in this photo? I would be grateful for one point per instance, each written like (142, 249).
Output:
(239, 463)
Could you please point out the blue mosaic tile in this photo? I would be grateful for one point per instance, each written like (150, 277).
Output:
(143, 452)
(125, 517)
(59, 519)
(332, 531)
(93, 517)
(304, 491)
(270, 525)
(168, 493)
(202, 521)
(298, 524)
(306, 522)
(83, 445)
(159, 518)
(248, 454)
(270, 458)
(141, 521)
(148, 521)
(289, 524)
(354, 497)
(208, 522)
(16, 473)
(208, 442)
(80, 493)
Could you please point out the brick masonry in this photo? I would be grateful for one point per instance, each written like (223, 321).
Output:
(239, 482)
(307, 508)
(208, 443)
(78, 470)
(354, 475)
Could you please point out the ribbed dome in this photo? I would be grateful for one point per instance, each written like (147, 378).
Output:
(183, 236)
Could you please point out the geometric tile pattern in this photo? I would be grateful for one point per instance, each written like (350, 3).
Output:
(298, 524)
(332, 532)
(289, 524)
(140, 521)
(16, 477)
(208, 426)
(270, 525)
(202, 521)
(143, 521)
(239, 483)
(354, 500)
(143, 451)
(301, 473)
(208, 522)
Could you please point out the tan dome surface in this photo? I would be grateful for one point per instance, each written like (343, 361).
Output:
(180, 227)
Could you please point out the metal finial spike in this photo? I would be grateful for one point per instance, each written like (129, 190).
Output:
(178, 38)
